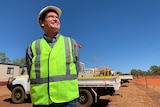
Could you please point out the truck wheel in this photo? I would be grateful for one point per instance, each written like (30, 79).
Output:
(18, 95)
(85, 99)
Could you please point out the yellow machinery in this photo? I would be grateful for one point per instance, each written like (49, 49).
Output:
(105, 71)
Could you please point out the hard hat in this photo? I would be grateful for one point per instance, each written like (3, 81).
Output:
(56, 9)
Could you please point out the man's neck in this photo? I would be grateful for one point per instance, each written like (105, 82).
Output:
(51, 34)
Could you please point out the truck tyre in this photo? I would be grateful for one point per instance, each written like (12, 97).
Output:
(18, 95)
(85, 99)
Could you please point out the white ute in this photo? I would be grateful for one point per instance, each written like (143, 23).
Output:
(90, 88)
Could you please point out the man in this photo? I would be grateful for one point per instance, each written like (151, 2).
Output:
(53, 64)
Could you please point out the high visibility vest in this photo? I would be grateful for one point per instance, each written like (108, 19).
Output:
(53, 75)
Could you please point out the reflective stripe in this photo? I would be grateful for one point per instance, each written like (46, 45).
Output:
(67, 48)
(74, 47)
(37, 65)
(68, 76)
(54, 79)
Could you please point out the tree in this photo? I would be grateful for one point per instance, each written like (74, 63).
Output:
(21, 62)
(155, 69)
(118, 72)
(134, 72)
(3, 58)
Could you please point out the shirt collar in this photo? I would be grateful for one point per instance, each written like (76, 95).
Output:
(49, 39)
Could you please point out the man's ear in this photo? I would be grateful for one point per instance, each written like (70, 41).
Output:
(41, 23)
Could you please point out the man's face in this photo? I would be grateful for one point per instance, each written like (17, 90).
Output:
(51, 22)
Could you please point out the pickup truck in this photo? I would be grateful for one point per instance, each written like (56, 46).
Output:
(90, 88)
(125, 78)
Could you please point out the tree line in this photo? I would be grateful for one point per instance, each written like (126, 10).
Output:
(154, 69)
(5, 59)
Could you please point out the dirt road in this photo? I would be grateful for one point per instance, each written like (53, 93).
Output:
(137, 93)
(134, 94)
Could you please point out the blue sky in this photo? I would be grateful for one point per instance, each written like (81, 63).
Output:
(122, 34)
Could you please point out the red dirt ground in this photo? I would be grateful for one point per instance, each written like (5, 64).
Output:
(152, 80)
(140, 92)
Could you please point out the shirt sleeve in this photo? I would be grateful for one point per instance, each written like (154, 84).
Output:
(29, 56)
(76, 55)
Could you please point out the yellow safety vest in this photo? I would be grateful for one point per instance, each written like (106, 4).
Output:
(53, 74)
